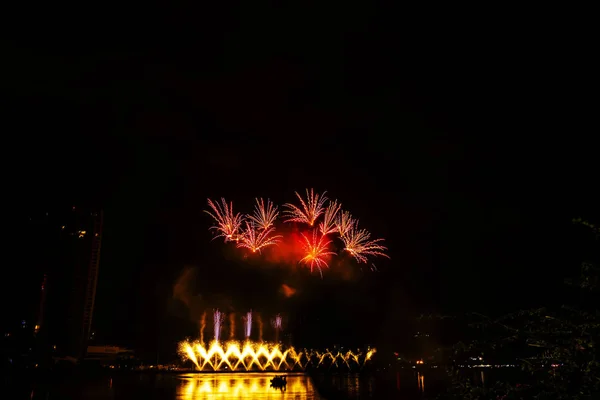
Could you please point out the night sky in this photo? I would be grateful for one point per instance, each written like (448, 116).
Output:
(468, 150)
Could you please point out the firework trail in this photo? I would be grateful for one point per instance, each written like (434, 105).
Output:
(228, 224)
(357, 243)
(343, 223)
(202, 326)
(218, 322)
(248, 324)
(264, 214)
(277, 324)
(328, 224)
(310, 209)
(260, 327)
(316, 250)
(255, 239)
(231, 326)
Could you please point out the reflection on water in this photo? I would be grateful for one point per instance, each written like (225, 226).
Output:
(421, 382)
(405, 385)
(243, 386)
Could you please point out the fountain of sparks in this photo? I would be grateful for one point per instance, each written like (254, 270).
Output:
(253, 356)
(218, 318)
(248, 324)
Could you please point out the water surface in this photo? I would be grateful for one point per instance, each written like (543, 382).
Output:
(211, 386)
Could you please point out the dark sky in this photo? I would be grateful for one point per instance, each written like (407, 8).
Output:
(468, 147)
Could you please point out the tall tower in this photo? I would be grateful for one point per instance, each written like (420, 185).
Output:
(69, 242)
(92, 281)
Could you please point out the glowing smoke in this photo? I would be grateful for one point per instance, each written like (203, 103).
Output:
(202, 326)
(218, 322)
(277, 325)
(260, 327)
(231, 325)
(248, 324)
(287, 290)
(184, 290)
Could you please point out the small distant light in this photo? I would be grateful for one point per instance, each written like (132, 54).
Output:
(62, 227)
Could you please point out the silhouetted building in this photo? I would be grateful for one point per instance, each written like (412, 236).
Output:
(66, 248)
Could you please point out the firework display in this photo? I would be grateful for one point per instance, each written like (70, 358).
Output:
(328, 225)
(255, 238)
(264, 214)
(254, 356)
(343, 223)
(227, 224)
(251, 355)
(316, 250)
(317, 219)
(309, 210)
(357, 243)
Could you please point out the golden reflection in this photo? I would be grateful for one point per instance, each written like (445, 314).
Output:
(243, 386)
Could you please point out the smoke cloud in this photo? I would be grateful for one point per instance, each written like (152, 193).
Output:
(287, 290)
(184, 290)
